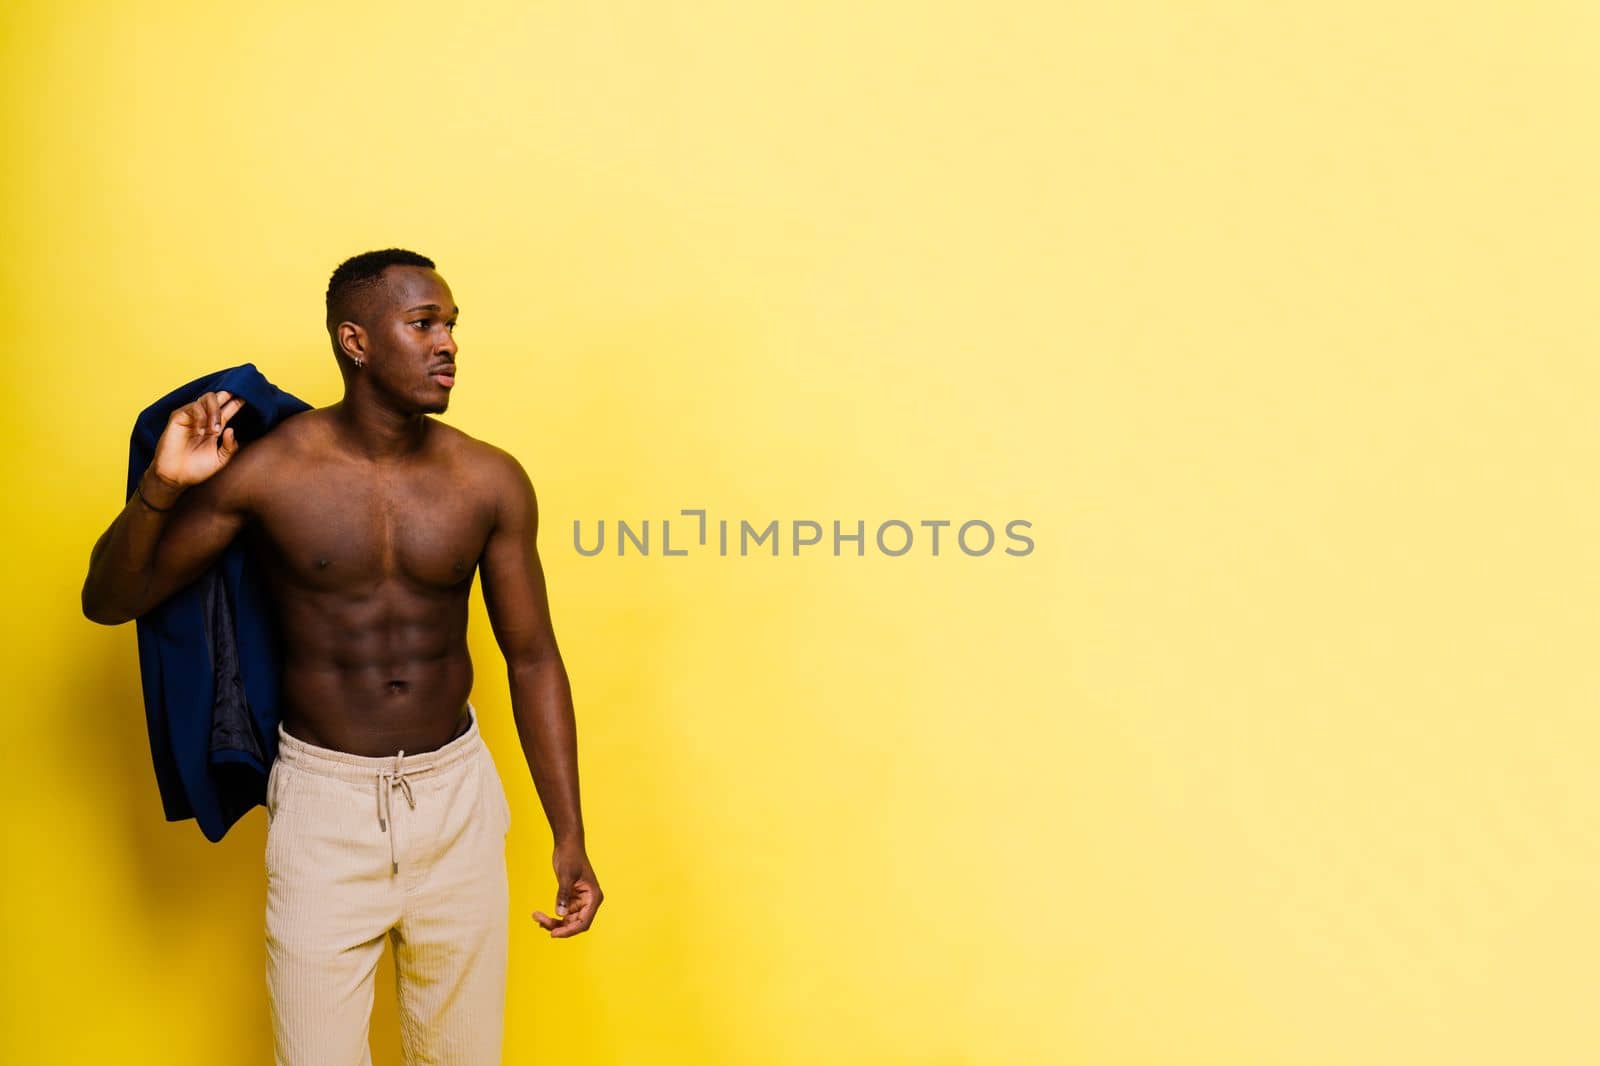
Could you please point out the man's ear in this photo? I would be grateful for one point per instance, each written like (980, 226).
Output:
(352, 340)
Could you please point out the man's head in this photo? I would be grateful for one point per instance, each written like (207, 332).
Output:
(390, 319)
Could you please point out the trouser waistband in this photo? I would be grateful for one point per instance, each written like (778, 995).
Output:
(385, 772)
(361, 768)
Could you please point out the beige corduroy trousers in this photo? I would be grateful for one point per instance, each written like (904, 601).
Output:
(410, 847)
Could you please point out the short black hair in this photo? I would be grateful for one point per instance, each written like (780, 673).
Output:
(357, 276)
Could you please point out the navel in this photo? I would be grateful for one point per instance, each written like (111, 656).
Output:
(321, 564)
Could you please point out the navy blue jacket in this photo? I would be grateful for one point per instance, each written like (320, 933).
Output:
(208, 654)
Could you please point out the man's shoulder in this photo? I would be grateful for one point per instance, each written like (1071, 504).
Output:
(479, 456)
(287, 438)
(261, 462)
(498, 476)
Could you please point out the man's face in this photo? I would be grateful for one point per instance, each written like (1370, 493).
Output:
(412, 351)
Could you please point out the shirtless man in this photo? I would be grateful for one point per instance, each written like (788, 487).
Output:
(369, 520)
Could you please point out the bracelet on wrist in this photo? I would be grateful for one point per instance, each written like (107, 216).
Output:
(138, 490)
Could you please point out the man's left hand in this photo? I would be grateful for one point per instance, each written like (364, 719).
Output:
(578, 893)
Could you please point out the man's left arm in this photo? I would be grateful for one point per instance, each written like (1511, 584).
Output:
(541, 696)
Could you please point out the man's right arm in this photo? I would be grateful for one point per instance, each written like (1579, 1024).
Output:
(148, 554)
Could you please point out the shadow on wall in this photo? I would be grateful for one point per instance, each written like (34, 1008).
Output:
(203, 902)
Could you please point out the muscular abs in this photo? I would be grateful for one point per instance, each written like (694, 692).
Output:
(370, 568)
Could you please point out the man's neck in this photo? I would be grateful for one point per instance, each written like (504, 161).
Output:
(376, 433)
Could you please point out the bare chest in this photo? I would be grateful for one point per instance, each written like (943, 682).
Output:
(345, 529)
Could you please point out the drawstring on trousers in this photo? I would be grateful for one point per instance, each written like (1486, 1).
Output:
(387, 779)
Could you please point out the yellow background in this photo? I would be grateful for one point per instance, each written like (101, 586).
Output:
(1276, 321)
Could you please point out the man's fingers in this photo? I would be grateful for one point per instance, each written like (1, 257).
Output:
(215, 409)
(564, 916)
(577, 921)
(576, 902)
(581, 916)
(190, 414)
(208, 410)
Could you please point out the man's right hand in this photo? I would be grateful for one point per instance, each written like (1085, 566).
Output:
(197, 441)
